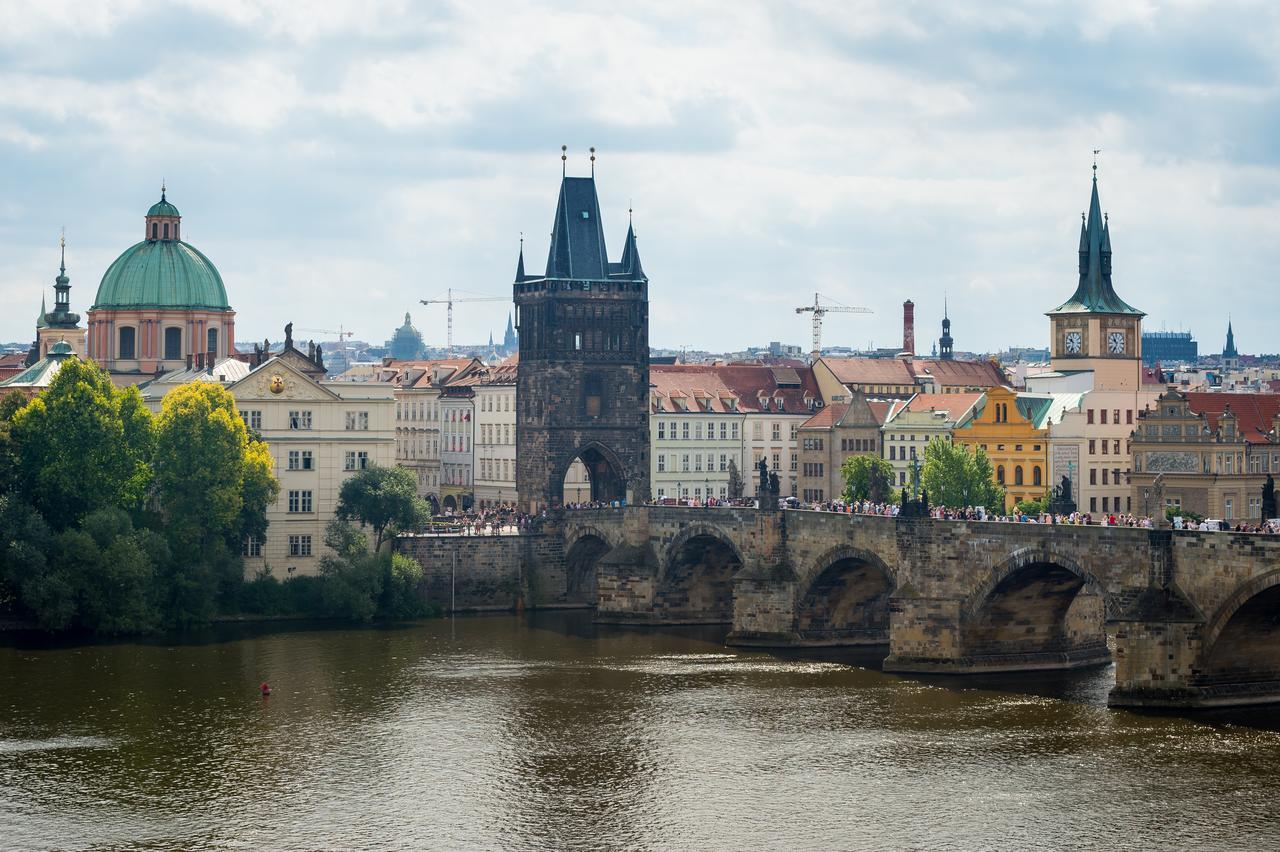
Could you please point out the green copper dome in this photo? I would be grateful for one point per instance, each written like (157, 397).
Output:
(162, 274)
(162, 208)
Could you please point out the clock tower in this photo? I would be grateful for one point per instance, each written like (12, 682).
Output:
(1095, 330)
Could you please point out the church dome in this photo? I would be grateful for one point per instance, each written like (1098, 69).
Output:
(162, 271)
(406, 343)
(162, 274)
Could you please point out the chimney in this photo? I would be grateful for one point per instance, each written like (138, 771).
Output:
(909, 327)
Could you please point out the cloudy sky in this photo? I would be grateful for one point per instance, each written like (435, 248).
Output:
(339, 161)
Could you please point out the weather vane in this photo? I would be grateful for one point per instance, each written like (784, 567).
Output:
(564, 159)
(1096, 152)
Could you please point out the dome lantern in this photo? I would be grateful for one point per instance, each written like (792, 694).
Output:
(163, 220)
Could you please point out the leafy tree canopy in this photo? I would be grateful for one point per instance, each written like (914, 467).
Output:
(383, 498)
(83, 444)
(867, 478)
(956, 477)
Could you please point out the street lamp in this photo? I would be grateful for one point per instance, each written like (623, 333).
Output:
(679, 495)
(706, 490)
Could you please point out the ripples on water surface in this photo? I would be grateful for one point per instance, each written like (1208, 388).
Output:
(548, 733)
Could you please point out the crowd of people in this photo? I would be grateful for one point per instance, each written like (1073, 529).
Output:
(506, 520)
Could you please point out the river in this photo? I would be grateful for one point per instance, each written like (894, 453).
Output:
(544, 732)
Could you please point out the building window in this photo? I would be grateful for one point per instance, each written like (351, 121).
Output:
(1017, 475)
(684, 462)
(357, 460)
(662, 430)
(662, 463)
(1093, 504)
(252, 419)
(299, 545)
(1092, 446)
(724, 462)
(172, 343)
(213, 342)
(299, 501)
(299, 420)
(1089, 416)
(358, 420)
(999, 474)
(1093, 476)
(155, 231)
(593, 396)
(300, 460)
(252, 546)
(128, 338)
(1035, 475)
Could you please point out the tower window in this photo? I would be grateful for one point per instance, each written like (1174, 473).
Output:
(166, 230)
(128, 339)
(155, 231)
(593, 396)
(213, 343)
(173, 343)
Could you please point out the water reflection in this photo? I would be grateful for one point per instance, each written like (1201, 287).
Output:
(550, 732)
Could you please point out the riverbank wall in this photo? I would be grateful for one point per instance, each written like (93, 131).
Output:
(490, 573)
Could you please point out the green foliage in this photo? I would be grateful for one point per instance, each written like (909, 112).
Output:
(867, 478)
(83, 445)
(1187, 515)
(1035, 506)
(10, 404)
(360, 585)
(383, 498)
(213, 482)
(956, 478)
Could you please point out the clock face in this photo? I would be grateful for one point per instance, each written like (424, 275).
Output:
(1073, 342)
(1115, 342)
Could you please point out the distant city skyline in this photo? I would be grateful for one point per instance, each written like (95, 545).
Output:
(338, 163)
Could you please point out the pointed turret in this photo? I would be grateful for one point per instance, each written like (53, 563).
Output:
(577, 237)
(40, 321)
(1094, 293)
(631, 256)
(520, 264)
(1229, 351)
(509, 339)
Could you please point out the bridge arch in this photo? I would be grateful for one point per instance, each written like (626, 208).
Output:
(1037, 608)
(695, 580)
(843, 598)
(1241, 640)
(581, 562)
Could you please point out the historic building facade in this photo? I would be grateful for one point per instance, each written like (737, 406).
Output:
(583, 384)
(1011, 429)
(319, 433)
(1207, 453)
(911, 425)
(836, 432)
(696, 430)
(418, 385)
(161, 306)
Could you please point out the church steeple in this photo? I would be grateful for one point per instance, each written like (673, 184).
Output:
(520, 263)
(631, 256)
(945, 342)
(61, 316)
(1229, 351)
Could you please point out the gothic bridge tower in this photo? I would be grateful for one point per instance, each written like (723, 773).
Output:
(582, 389)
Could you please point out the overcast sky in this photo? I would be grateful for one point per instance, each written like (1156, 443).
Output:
(339, 161)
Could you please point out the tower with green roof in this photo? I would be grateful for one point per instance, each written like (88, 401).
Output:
(161, 305)
(59, 324)
(1095, 330)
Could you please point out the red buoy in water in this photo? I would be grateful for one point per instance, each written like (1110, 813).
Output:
(266, 689)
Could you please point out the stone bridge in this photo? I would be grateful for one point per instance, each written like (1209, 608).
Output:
(1194, 617)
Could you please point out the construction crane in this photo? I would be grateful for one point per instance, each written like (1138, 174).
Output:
(341, 334)
(449, 300)
(819, 310)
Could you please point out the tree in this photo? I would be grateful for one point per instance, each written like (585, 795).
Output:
(212, 479)
(385, 499)
(957, 478)
(214, 485)
(735, 480)
(10, 405)
(82, 445)
(867, 478)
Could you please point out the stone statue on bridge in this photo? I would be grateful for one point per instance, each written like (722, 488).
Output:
(763, 467)
(773, 482)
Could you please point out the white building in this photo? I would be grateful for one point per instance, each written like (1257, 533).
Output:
(417, 390)
(913, 423)
(494, 464)
(319, 433)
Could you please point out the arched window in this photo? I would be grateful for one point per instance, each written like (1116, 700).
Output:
(155, 231)
(1035, 475)
(166, 230)
(1000, 474)
(173, 343)
(1017, 475)
(126, 349)
(213, 343)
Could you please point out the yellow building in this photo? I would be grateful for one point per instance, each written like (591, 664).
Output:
(1012, 429)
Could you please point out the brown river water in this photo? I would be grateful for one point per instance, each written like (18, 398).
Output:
(545, 732)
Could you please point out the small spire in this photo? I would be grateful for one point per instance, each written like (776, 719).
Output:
(564, 159)
(593, 160)
(1096, 152)
(62, 243)
(162, 189)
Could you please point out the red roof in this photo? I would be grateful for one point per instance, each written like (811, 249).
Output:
(903, 371)
(954, 404)
(785, 389)
(828, 417)
(1255, 412)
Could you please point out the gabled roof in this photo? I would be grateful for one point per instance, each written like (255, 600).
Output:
(577, 236)
(902, 371)
(954, 406)
(1254, 411)
(483, 376)
(749, 384)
